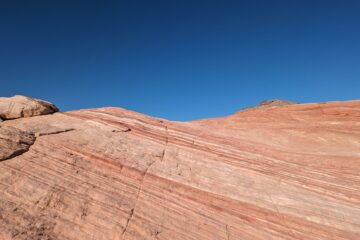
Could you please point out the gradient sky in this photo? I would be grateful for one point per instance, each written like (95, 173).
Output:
(180, 60)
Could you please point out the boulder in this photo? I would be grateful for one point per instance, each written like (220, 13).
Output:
(21, 106)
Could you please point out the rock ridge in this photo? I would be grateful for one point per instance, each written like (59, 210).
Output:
(284, 172)
(271, 103)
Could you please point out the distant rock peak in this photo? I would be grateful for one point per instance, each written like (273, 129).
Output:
(276, 102)
(270, 104)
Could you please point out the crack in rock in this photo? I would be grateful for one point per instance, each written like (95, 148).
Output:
(142, 181)
(136, 201)
(127, 222)
(39, 134)
(166, 143)
(291, 233)
(122, 130)
(227, 232)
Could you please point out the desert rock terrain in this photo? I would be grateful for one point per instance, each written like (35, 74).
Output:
(279, 171)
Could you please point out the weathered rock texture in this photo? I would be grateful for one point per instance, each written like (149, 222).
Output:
(14, 142)
(20, 106)
(289, 172)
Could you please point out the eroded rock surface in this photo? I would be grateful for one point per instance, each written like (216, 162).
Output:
(289, 172)
(14, 142)
(21, 106)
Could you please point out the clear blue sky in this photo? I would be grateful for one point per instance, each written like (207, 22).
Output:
(180, 60)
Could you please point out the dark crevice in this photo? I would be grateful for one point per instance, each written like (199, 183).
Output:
(39, 134)
(18, 152)
(123, 130)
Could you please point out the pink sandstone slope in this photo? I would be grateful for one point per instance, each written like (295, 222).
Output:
(288, 171)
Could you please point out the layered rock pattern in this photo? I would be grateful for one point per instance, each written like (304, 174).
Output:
(285, 172)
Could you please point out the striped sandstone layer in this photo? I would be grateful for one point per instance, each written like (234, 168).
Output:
(282, 172)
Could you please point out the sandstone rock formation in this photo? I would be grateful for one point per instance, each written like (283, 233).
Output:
(270, 104)
(20, 106)
(289, 172)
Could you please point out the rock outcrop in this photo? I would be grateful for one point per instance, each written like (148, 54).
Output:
(270, 104)
(20, 106)
(288, 172)
(14, 142)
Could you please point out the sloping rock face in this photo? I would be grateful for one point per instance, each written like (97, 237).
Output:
(290, 172)
(20, 106)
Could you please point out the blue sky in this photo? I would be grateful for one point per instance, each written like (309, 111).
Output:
(180, 60)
